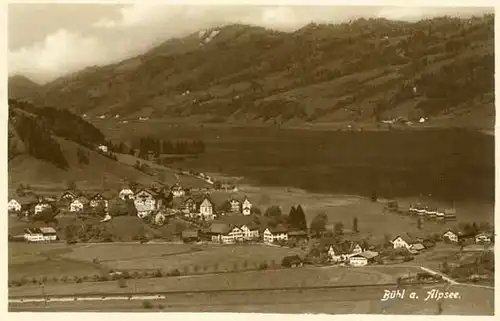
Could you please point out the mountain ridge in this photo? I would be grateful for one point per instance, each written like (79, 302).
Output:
(365, 71)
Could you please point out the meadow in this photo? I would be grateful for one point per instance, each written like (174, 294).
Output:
(448, 164)
(473, 301)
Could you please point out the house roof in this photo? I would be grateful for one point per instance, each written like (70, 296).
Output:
(189, 233)
(220, 228)
(47, 230)
(418, 246)
(484, 234)
(345, 247)
(297, 233)
(278, 229)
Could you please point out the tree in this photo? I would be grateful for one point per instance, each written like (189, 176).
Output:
(355, 225)
(374, 196)
(301, 219)
(47, 215)
(225, 207)
(70, 233)
(419, 223)
(71, 185)
(318, 224)
(255, 210)
(338, 228)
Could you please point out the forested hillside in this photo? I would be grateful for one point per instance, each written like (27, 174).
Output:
(362, 71)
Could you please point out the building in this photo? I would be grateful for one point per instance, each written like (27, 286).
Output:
(417, 247)
(68, 195)
(13, 206)
(225, 233)
(206, 209)
(76, 206)
(40, 234)
(102, 148)
(250, 231)
(246, 207)
(278, 233)
(399, 242)
(98, 200)
(298, 235)
(190, 236)
(343, 251)
(482, 238)
(177, 190)
(292, 261)
(190, 205)
(41, 206)
(126, 193)
(450, 236)
(235, 205)
(159, 218)
(363, 258)
(145, 202)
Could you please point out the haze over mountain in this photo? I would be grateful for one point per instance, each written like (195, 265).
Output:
(363, 71)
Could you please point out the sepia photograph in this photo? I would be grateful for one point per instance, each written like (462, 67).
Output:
(291, 159)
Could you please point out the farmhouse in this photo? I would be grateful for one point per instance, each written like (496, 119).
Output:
(416, 248)
(399, 242)
(98, 200)
(342, 251)
(40, 234)
(482, 238)
(250, 231)
(273, 234)
(363, 258)
(206, 209)
(145, 202)
(450, 236)
(292, 261)
(126, 193)
(225, 233)
(13, 206)
(298, 235)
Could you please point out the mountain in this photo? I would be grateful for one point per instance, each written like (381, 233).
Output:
(363, 71)
(22, 87)
(50, 147)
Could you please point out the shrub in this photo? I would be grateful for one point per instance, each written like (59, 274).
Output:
(79, 280)
(263, 266)
(158, 274)
(161, 306)
(34, 280)
(126, 275)
(175, 272)
(122, 283)
(147, 305)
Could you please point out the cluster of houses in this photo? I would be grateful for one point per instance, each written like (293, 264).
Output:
(146, 201)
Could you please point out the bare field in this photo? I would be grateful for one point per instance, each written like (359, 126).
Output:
(473, 301)
(268, 279)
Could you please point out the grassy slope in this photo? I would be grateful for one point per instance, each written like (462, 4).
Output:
(295, 78)
(26, 169)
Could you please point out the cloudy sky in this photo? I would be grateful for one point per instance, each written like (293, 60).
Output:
(49, 40)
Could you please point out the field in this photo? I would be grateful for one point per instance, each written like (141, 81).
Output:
(38, 260)
(403, 164)
(268, 279)
(473, 301)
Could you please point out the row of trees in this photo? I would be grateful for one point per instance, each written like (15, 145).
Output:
(160, 146)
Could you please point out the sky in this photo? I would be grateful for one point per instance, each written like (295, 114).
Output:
(46, 41)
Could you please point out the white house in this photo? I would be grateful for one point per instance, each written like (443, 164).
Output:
(207, 209)
(68, 195)
(103, 148)
(40, 207)
(145, 203)
(76, 206)
(279, 233)
(126, 193)
(49, 233)
(246, 207)
(451, 236)
(341, 252)
(399, 242)
(250, 232)
(13, 206)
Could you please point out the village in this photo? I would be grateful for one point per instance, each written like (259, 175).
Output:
(235, 220)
